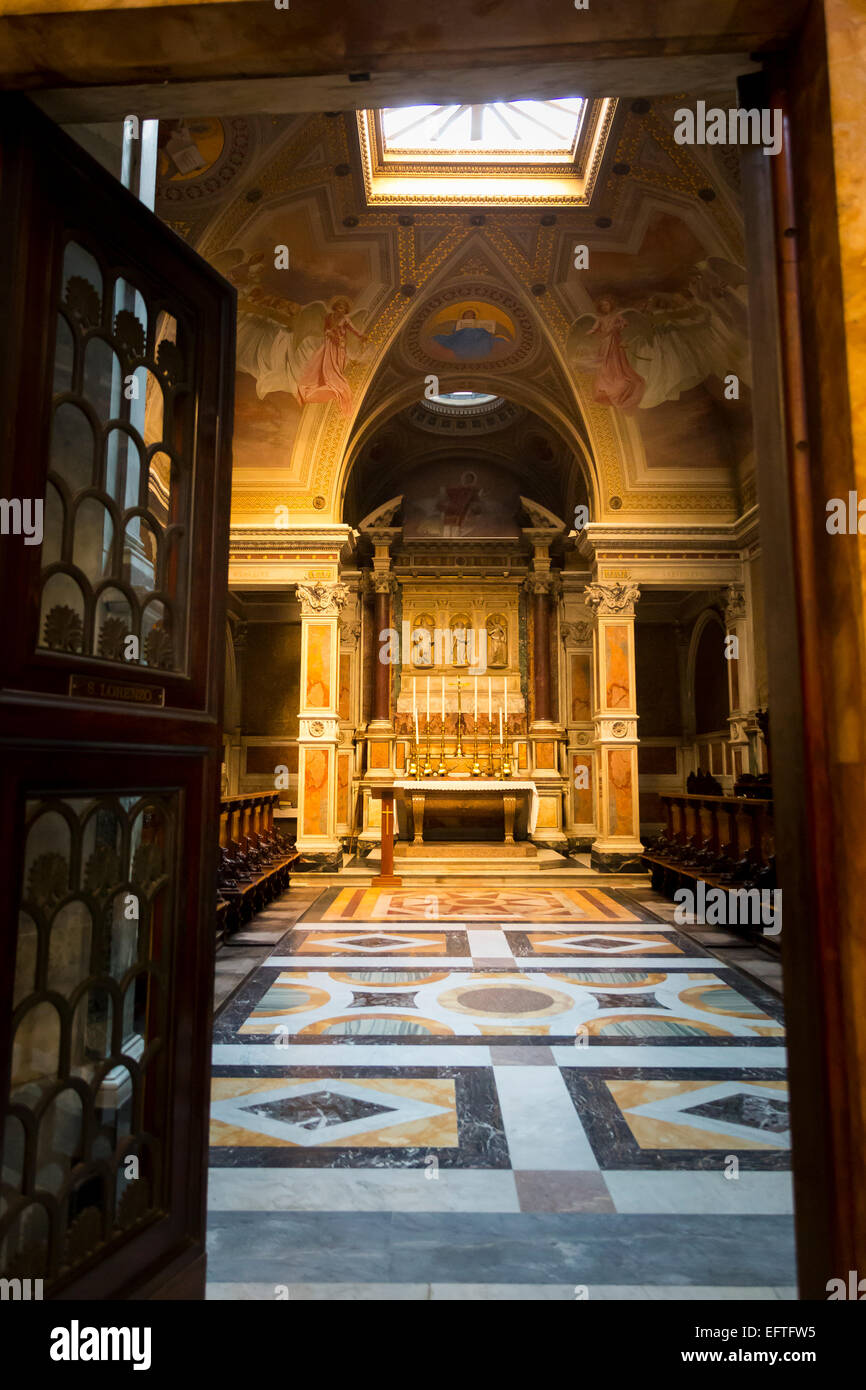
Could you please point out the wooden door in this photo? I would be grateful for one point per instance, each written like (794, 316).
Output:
(116, 371)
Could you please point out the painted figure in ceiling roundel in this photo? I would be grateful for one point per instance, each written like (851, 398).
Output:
(469, 331)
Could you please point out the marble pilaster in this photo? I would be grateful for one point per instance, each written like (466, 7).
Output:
(318, 719)
(617, 844)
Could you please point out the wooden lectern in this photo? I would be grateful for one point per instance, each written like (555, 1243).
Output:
(386, 878)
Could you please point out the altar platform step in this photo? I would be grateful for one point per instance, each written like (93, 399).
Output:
(480, 860)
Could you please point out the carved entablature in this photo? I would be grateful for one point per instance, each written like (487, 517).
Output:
(611, 599)
(322, 600)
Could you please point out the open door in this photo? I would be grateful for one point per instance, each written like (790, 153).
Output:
(116, 371)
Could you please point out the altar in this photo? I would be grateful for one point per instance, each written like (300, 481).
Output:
(434, 810)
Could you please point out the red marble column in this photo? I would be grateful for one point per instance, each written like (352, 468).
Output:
(538, 589)
(382, 677)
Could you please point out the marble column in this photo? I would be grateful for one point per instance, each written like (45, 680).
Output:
(539, 589)
(618, 845)
(380, 728)
(580, 758)
(383, 586)
(318, 721)
(232, 728)
(348, 701)
(743, 728)
(546, 734)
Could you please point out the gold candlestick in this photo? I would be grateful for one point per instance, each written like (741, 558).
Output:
(440, 771)
(428, 771)
(476, 770)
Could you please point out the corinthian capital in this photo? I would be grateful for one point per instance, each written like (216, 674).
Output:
(542, 584)
(322, 600)
(607, 599)
(384, 584)
(734, 598)
(350, 633)
(576, 634)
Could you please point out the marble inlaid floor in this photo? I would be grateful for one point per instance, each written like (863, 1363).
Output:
(451, 1095)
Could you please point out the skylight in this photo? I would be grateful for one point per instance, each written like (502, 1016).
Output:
(511, 130)
(505, 152)
(462, 399)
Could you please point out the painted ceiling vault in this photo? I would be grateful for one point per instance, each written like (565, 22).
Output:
(614, 330)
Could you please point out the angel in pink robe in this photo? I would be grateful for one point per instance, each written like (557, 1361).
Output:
(616, 381)
(323, 378)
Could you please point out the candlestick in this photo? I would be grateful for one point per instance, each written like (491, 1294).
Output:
(440, 771)
(458, 752)
(428, 771)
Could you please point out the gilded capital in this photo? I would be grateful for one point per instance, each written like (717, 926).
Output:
(322, 600)
(384, 583)
(611, 599)
(576, 634)
(541, 584)
(734, 598)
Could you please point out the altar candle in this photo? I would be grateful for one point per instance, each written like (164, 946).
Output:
(505, 698)
(500, 728)
(414, 683)
(475, 678)
(428, 702)
(489, 700)
(443, 704)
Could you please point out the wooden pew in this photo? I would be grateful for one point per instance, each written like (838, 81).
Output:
(255, 860)
(728, 842)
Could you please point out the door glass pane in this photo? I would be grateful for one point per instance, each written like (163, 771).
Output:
(122, 430)
(88, 1099)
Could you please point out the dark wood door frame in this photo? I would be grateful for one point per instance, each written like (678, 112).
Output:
(804, 450)
(64, 746)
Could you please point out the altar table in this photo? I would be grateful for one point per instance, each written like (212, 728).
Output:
(415, 795)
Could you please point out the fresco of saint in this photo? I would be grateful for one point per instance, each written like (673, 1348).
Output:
(471, 338)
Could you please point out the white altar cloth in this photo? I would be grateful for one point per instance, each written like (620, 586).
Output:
(474, 784)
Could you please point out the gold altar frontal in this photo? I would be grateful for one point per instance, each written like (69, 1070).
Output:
(455, 818)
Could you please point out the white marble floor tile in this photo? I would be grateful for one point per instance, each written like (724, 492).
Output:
(361, 1189)
(541, 1123)
(726, 1058)
(404, 962)
(322, 1293)
(711, 1293)
(490, 943)
(681, 1192)
(348, 1055)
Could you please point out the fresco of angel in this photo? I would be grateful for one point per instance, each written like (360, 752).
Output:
(287, 346)
(615, 331)
(669, 343)
(322, 378)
